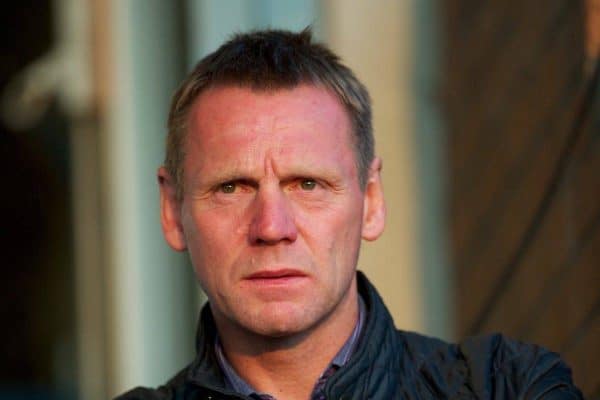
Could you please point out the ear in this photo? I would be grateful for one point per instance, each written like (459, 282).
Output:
(170, 211)
(374, 203)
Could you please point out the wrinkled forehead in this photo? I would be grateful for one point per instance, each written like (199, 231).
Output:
(237, 111)
(305, 122)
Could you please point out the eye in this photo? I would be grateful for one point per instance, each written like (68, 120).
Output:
(227, 187)
(308, 184)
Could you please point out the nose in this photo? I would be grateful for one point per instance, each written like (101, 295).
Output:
(273, 221)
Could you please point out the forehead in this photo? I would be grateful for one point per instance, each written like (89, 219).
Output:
(304, 120)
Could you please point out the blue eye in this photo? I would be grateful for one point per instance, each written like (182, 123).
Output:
(227, 187)
(308, 184)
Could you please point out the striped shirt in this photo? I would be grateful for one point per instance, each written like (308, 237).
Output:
(239, 385)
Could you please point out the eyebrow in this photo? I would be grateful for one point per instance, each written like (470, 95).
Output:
(221, 177)
(324, 173)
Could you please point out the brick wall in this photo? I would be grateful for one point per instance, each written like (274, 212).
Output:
(524, 175)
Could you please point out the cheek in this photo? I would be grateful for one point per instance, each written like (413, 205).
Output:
(207, 236)
(348, 232)
(335, 230)
(214, 235)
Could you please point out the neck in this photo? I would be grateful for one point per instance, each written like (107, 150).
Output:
(289, 366)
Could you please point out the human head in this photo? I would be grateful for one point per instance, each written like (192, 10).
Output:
(274, 210)
(273, 213)
(269, 60)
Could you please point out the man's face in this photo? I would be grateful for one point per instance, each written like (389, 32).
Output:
(272, 214)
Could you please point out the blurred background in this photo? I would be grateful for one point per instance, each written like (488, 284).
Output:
(486, 114)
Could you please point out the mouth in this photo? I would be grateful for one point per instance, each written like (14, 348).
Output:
(284, 275)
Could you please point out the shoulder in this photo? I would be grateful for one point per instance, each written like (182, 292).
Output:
(517, 368)
(491, 366)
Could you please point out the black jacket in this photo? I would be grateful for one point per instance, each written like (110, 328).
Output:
(391, 364)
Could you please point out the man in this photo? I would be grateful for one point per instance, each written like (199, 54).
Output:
(270, 183)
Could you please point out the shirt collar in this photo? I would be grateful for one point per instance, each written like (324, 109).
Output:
(239, 385)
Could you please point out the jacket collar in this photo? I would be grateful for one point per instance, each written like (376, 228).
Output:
(376, 355)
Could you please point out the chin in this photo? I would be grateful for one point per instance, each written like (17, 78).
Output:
(276, 332)
(280, 322)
